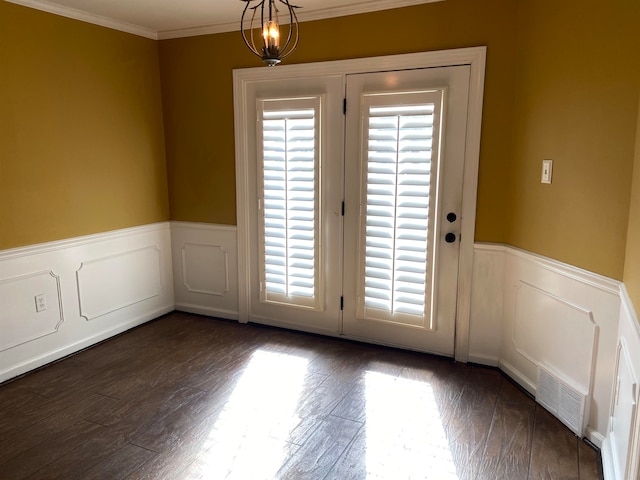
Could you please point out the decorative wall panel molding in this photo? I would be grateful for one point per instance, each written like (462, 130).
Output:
(552, 314)
(117, 281)
(205, 265)
(205, 269)
(624, 407)
(23, 319)
(621, 449)
(552, 331)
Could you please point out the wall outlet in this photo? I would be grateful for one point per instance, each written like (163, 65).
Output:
(41, 302)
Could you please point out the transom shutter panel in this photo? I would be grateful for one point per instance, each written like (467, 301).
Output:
(399, 177)
(288, 164)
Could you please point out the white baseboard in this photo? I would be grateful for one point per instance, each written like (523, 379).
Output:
(594, 437)
(517, 376)
(93, 287)
(607, 461)
(208, 311)
(487, 360)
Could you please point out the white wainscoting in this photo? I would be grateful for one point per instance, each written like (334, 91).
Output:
(93, 287)
(526, 311)
(621, 449)
(529, 312)
(485, 322)
(205, 266)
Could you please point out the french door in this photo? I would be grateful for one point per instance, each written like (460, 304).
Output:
(403, 197)
(350, 202)
(294, 201)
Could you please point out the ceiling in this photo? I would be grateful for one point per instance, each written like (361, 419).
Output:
(159, 19)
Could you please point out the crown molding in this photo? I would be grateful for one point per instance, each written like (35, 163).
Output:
(318, 14)
(87, 17)
(303, 16)
(201, 30)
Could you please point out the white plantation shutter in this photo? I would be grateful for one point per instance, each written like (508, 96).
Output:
(288, 176)
(400, 168)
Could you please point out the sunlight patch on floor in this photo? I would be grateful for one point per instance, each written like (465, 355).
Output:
(405, 437)
(246, 441)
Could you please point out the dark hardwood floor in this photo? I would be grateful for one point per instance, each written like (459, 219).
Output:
(188, 397)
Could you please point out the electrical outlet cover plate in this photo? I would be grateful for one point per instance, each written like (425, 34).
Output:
(41, 302)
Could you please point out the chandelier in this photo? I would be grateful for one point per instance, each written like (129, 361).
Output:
(270, 47)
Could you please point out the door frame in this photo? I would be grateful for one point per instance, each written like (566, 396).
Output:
(475, 57)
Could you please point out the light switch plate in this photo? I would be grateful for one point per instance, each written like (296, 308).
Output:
(547, 170)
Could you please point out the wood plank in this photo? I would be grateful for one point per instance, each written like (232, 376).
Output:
(96, 449)
(448, 382)
(118, 466)
(38, 458)
(554, 451)
(321, 395)
(179, 454)
(469, 425)
(403, 435)
(315, 458)
(16, 442)
(590, 462)
(252, 457)
(345, 360)
(353, 405)
(134, 417)
(508, 447)
(17, 404)
(165, 431)
(222, 444)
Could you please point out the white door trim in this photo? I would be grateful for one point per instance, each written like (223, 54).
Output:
(475, 57)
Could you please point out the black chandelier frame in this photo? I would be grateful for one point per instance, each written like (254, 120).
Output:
(270, 53)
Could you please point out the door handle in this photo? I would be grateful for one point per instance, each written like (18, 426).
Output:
(450, 237)
(451, 217)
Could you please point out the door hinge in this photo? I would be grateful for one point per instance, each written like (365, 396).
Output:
(341, 303)
(344, 106)
(343, 209)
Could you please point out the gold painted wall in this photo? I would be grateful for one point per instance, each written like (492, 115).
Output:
(632, 258)
(81, 133)
(562, 82)
(577, 89)
(198, 102)
(81, 123)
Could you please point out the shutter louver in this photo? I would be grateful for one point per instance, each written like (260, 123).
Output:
(289, 210)
(399, 144)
